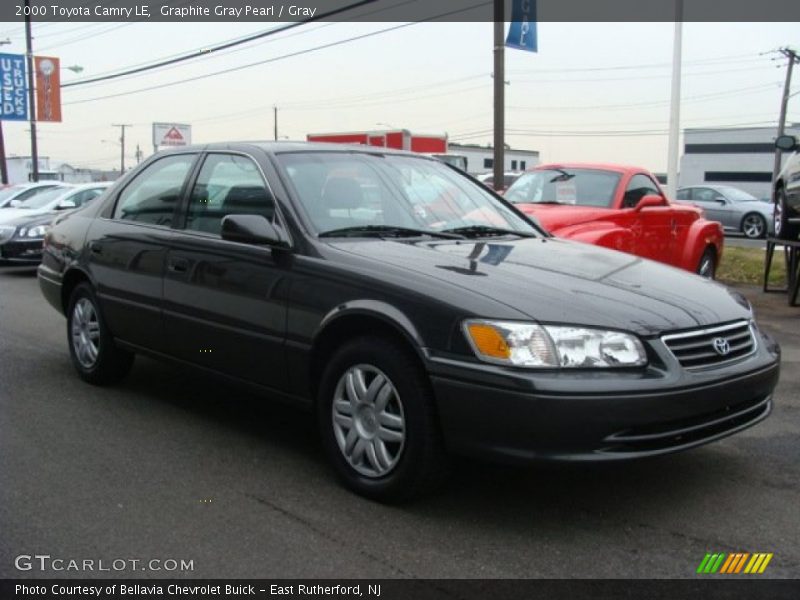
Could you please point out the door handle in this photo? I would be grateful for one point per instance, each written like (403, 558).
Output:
(178, 265)
(95, 248)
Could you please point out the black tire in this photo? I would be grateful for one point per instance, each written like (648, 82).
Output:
(110, 363)
(421, 462)
(707, 265)
(783, 229)
(753, 226)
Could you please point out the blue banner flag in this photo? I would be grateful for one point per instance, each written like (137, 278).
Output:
(522, 33)
(13, 88)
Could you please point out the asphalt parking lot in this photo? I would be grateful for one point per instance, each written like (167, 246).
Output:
(176, 465)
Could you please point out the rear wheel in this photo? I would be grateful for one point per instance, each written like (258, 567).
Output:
(378, 422)
(754, 226)
(91, 346)
(783, 229)
(707, 267)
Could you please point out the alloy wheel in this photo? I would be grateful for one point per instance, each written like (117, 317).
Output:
(778, 217)
(85, 330)
(707, 266)
(753, 226)
(368, 421)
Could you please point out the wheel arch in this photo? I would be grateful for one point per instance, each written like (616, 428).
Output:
(702, 234)
(355, 319)
(71, 279)
(756, 213)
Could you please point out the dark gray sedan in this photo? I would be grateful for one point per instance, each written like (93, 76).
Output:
(412, 325)
(736, 209)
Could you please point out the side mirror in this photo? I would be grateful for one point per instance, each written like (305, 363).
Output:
(649, 200)
(787, 143)
(15, 203)
(252, 229)
(66, 205)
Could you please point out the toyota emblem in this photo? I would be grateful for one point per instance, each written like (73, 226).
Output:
(722, 346)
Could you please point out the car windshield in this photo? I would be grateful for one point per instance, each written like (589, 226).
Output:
(381, 195)
(42, 198)
(582, 187)
(737, 195)
(10, 191)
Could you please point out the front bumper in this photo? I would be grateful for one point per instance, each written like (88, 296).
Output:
(519, 416)
(21, 252)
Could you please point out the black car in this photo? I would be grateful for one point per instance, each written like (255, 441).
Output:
(22, 239)
(415, 311)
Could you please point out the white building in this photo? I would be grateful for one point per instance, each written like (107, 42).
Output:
(480, 159)
(20, 169)
(740, 157)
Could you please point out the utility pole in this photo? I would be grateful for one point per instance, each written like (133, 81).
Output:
(793, 58)
(499, 93)
(673, 150)
(122, 127)
(275, 120)
(31, 94)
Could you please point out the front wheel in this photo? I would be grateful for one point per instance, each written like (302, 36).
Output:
(707, 267)
(378, 422)
(91, 346)
(754, 226)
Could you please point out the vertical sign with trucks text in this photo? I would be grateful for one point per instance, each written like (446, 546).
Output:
(48, 88)
(522, 33)
(13, 87)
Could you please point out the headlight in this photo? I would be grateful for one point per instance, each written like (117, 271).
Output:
(36, 232)
(552, 346)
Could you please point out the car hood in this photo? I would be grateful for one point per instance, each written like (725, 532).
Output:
(556, 216)
(559, 281)
(29, 219)
(10, 214)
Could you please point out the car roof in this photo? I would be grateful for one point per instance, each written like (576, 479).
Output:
(276, 147)
(590, 165)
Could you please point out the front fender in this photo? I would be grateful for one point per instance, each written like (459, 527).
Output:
(376, 309)
(702, 233)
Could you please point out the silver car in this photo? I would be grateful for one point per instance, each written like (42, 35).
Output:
(736, 209)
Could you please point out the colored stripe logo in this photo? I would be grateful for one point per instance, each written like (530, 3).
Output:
(735, 563)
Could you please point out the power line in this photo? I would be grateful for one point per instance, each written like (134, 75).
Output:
(219, 47)
(277, 58)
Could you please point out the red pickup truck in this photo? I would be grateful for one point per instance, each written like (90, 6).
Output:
(622, 208)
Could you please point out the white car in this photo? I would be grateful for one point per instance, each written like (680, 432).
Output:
(23, 191)
(62, 198)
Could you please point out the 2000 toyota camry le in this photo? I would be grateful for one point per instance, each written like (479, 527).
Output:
(416, 312)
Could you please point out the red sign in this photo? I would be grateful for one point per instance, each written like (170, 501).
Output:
(173, 138)
(48, 88)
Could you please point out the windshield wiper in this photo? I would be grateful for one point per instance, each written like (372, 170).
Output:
(388, 230)
(485, 230)
(563, 175)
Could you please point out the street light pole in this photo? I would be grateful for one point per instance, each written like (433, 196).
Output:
(31, 94)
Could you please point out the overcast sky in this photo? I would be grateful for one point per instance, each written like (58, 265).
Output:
(594, 91)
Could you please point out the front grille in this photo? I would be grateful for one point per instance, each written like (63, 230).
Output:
(703, 348)
(6, 232)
